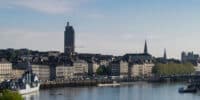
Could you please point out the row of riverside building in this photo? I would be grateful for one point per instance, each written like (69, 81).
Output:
(83, 66)
(79, 70)
(129, 65)
(54, 65)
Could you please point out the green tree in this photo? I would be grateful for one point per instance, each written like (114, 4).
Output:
(103, 70)
(173, 68)
(10, 95)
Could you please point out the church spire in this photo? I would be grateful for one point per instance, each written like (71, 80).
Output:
(145, 48)
(67, 23)
(165, 54)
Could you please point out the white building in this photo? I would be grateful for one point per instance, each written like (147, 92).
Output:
(92, 67)
(141, 70)
(104, 62)
(5, 71)
(123, 69)
(119, 68)
(80, 68)
(64, 72)
(42, 71)
(197, 69)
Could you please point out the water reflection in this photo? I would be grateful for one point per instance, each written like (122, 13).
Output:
(32, 96)
(133, 91)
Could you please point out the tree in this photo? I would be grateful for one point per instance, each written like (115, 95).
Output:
(103, 70)
(173, 68)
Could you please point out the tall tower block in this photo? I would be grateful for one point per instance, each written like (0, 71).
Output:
(69, 40)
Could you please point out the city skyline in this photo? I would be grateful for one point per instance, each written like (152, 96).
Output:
(102, 26)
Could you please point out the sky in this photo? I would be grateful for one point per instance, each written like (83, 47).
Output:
(102, 26)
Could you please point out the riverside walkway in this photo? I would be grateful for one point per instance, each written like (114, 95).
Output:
(75, 83)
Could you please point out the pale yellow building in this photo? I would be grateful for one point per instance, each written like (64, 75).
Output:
(64, 72)
(123, 69)
(42, 71)
(92, 67)
(80, 68)
(119, 68)
(5, 71)
(141, 70)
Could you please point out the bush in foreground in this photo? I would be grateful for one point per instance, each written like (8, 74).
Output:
(10, 95)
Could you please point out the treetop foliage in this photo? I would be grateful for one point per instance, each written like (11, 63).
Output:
(173, 69)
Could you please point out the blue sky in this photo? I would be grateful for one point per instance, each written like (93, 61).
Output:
(102, 26)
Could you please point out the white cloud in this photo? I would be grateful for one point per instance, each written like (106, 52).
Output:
(19, 38)
(47, 6)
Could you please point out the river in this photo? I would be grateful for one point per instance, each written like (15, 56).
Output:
(131, 91)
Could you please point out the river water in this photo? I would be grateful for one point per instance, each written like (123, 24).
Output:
(131, 91)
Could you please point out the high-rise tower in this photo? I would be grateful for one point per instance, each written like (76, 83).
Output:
(145, 48)
(69, 40)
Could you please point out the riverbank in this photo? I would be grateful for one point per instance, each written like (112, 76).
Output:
(80, 83)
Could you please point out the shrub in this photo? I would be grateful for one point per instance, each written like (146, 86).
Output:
(10, 95)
